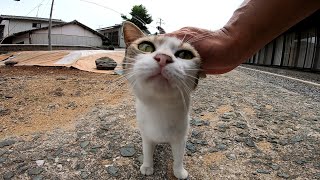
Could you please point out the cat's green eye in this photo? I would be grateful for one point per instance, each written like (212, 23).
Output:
(184, 54)
(146, 47)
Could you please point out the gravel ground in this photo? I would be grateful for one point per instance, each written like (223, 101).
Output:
(69, 124)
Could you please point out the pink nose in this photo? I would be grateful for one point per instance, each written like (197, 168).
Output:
(163, 59)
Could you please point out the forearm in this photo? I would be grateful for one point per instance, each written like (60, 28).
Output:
(257, 22)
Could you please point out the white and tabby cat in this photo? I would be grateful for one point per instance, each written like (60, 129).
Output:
(163, 71)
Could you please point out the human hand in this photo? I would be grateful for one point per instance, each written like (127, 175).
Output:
(217, 49)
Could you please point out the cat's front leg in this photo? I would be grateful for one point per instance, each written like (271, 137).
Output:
(178, 150)
(148, 150)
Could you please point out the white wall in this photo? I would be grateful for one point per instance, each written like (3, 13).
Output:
(66, 35)
(14, 26)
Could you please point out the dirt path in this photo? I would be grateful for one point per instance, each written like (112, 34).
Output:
(70, 124)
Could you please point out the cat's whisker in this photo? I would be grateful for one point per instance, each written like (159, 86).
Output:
(183, 98)
(192, 77)
(120, 80)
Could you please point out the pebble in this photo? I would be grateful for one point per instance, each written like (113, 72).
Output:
(2, 160)
(249, 142)
(195, 122)
(84, 175)
(37, 177)
(8, 175)
(112, 170)
(283, 175)
(221, 147)
(191, 147)
(127, 151)
(275, 167)
(263, 171)
(196, 134)
(80, 166)
(296, 139)
(241, 125)
(6, 143)
(40, 162)
(231, 156)
(84, 144)
(229, 115)
(35, 171)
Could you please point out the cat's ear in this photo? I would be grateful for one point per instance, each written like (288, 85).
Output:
(131, 32)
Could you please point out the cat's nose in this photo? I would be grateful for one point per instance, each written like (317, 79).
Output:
(163, 59)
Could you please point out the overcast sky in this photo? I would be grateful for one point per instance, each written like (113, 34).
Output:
(209, 14)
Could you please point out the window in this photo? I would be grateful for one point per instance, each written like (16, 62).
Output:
(36, 25)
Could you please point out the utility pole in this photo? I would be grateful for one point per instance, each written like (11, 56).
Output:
(160, 22)
(50, 26)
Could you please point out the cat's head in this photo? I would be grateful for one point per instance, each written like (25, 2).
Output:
(159, 65)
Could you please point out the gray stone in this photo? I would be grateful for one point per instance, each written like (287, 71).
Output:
(229, 115)
(35, 171)
(300, 161)
(61, 78)
(3, 152)
(37, 177)
(275, 166)
(84, 144)
(6, 143)
(241, 125)
(231, 156)
(58, 152)
(223, 128)
(191, 147)
(195, 122)
(79, 166)
(2, 160)
(263, 171)
(249, 142)
(8, 175)
(221, 147)
(196, 134)
(10, 63)
(127, 151)
(296, 139)
(283, 175)
(4, 111)
(112, 170)
(106, 63)
(84, 175)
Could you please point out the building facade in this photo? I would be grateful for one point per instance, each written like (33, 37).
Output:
(299, 47)
(114, 34)
(13, 24)
(72, 33)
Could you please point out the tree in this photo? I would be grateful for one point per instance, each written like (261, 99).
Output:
(140, 17)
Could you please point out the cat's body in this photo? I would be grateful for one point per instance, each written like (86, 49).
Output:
(162, 71)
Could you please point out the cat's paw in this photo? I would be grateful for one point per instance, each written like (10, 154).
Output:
(146, 170)
(180, 173)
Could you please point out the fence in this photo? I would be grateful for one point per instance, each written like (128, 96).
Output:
(299, 47)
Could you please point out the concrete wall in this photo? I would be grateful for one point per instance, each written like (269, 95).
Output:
(70, 34)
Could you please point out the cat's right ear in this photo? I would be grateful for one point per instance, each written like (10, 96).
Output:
(131, 32)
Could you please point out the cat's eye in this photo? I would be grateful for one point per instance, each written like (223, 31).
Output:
(184, 54)
(146, 47)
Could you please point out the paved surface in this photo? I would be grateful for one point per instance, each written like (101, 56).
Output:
(245, 125)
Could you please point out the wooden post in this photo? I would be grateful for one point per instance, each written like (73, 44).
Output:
(50, 26)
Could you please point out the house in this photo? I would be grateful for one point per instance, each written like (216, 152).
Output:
(298, 47)
(71, 33)
(114, 34)
(14, 24)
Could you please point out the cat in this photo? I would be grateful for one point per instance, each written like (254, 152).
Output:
(163, 71)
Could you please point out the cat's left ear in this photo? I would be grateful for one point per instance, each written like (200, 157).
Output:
(131, 32)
